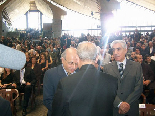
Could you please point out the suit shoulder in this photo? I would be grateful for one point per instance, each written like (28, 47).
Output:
(4, 102)
(54, 69)
(109, 76)
(110, 64)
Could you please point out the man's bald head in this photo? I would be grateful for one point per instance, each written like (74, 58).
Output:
(70, 59)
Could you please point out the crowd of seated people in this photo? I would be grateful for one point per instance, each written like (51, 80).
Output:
(45, 54)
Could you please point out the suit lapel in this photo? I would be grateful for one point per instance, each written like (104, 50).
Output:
(61, 72)
(115, 69)
(127, 68)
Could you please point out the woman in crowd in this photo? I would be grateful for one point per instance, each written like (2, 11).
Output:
(49, 58)
(37, 70)
(6, 78)
(44, 64)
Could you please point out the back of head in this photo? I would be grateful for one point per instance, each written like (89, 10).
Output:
(87, 51)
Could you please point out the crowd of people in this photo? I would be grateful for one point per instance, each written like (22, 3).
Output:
(49, 60)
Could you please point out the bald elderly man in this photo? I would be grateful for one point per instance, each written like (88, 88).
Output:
(53, 75)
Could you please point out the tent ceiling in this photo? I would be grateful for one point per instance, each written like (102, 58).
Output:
(15, 8)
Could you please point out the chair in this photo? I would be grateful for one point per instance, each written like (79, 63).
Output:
(144, 98)
(148, 110)
(11, 95)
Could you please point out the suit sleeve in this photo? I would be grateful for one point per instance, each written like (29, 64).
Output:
(138, 87)
(117, 100)
(48, 90)
(5, 105)
(57, 104)
(8, 109)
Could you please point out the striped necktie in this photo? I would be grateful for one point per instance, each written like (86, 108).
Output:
(121, 69)
(68, 73)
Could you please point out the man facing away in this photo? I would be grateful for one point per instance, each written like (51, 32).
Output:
(53, 75)
(130, 81)
(88, 92)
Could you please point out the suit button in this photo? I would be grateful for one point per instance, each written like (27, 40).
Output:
(121, 93)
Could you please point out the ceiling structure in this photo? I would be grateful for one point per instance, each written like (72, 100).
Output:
(15, 8)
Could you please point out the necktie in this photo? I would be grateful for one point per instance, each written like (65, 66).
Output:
(121, 69)
(68, 73)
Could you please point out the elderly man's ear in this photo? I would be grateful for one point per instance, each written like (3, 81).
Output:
(97, 58)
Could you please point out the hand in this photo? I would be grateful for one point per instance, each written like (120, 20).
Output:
(4, 86)
(14, 85)
(28, 83)
(143, 82)
(124, 108)
(147, 82)
(101, 67)
(1, 85)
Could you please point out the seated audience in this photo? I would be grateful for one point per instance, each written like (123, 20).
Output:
(148, 79)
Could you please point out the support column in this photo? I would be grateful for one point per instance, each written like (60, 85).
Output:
(57, 22)
(57, 27)
(41, 22)
(27, 23)
(1, 23)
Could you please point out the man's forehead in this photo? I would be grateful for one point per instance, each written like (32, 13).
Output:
(117, 45)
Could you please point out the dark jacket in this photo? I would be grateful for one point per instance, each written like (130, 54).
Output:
(148, 74)
(88, 92)
(29, 76)
(5, 109)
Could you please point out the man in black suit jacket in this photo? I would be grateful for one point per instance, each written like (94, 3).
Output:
(53, 75)
(148, 79)
(150, 49)
(88, 92)
(130, 81)
(24, 81)
(5, 109)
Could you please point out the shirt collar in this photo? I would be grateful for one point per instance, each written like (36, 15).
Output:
(66, 71)
(22, 70)
(124, 63)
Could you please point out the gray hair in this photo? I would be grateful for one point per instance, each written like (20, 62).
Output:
(122, 42)
(63, 55)
(87, 51)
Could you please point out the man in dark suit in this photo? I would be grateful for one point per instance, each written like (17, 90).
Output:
(150, 49)
(5, 109)
(53, 75)
(130, 81)
(148, 79)
(24, 81)
(88, 92)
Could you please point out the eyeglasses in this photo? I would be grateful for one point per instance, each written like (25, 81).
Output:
(71, 63)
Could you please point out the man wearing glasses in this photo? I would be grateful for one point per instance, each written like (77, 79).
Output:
(53, 75)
